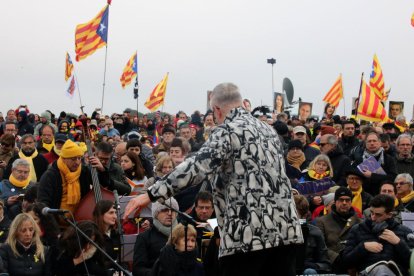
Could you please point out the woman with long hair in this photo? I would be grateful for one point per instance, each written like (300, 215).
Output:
(134, 171)
(329, 111)
(78, 256)
(24, 253)
(105, 217)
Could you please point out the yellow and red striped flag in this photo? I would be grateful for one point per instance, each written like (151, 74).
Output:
(370, 107)
(68, 67)
(92, 35)
(377, 80)
(157, 96)
(130, 71)
(335, 94)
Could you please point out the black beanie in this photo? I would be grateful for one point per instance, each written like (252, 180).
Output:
(342, 191)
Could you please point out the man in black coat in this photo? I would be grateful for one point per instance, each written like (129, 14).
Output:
(378, 239)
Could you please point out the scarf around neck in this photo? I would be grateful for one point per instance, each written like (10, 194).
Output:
(50, 146)
(17, 183)
(165, 230)
(71, 179)
(357, 198)
(379, 155)
(408, 197)
(296, 162)
(314, 175)
(32, 175)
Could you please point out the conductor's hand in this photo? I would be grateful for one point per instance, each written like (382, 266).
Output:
(138, 202)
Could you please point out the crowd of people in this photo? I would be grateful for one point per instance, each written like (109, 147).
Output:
(249, 169)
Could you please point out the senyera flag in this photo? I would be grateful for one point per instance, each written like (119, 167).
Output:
(92, 35)
(130, 71)
(335, 94)
(157, 96)
(376, 81)
(370, 107)
(68, 67)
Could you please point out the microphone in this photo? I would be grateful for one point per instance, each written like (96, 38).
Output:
(48, 210)
(410, 237)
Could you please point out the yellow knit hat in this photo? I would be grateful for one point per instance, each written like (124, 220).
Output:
(70, 149)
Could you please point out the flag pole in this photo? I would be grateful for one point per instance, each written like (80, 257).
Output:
(136, 92)
(80, 98)
(342, 84)
(359, 95)
(103, 84)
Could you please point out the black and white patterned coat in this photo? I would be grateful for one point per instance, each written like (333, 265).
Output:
(243, 161)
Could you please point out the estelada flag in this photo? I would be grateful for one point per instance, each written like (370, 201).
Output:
(92, 35)
(335, 94)
(130, 71)
(68, 67)
(370, 107)
(71, 89)
(412, 20)
(157, 96)
(376, 81)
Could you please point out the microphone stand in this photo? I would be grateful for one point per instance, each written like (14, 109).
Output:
(118, 221)
(97, 246)
(186, 219)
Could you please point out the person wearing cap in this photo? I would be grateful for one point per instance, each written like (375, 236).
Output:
(45, 119)
(373, 149)
(355, 180)
(335, 226)
(328, 144)
(295, 161)
(379, 238)
(326, 208)
(149, 243)
(168, 134)
(404, 156)
(64, 128)
(54, 154)
(300, 133)
(16, 185)
(67, 180)
(28, 151)
(243, 162)
(23, 124)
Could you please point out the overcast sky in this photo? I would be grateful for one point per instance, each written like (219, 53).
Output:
(201, 44)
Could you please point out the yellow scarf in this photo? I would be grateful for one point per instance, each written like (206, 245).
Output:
(71, 181)
(314, 175)
(396, 202)
(32, 175)
(21, 184)
(408, 197)
(50, 146)
(357, 199)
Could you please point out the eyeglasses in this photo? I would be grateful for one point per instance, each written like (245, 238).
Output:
(77, 158)
(22, 172)
(353, 178)
(400, 183)
(322, 144)
(344, 199)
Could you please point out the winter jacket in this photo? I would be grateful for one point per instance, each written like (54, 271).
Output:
(348, 143)
(40, 165)
(405, 165)
(356, 256)
(147, 250)
(340, 162)
(243, 161)
(50, 185)
(27, 264)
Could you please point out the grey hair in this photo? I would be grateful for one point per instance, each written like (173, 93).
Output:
(226, 95)
(28, 135)
(332, 139)
(400, 117)
(405, 176)
(401, 136)
(20, 162)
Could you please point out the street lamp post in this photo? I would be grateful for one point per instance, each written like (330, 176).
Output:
(272, 61)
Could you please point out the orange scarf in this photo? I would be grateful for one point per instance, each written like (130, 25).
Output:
(314, 175)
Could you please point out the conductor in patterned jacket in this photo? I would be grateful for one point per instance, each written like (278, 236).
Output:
(243, 162)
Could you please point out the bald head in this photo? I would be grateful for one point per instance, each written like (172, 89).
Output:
(120, 150)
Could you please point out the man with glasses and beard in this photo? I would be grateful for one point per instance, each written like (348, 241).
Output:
(28, 151)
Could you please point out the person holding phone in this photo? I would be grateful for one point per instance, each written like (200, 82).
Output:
(13, 189)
